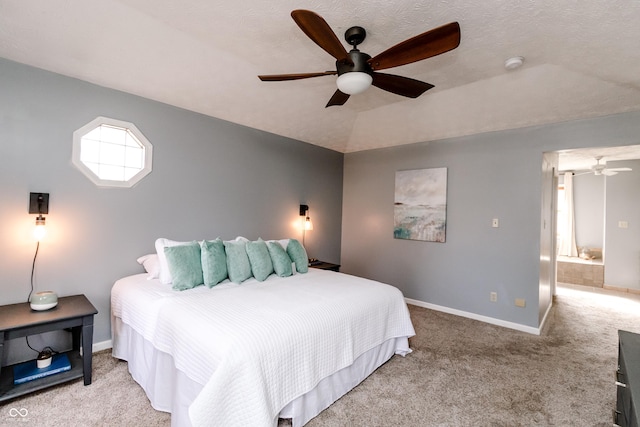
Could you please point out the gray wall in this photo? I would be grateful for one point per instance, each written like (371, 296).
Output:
(622, 245)
(492, 175)
(588, 199)
(601, 202)
(210, 178)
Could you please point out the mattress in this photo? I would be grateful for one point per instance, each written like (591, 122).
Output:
(247, 352)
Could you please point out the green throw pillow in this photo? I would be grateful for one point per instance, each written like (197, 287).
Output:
(185, 265)
(260, 260)
(214, 262)
(238, 265)
(280, 259)
(298, 255)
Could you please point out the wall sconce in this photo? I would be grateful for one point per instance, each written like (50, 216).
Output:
(304, 211)
(39, 204)
(307, 225)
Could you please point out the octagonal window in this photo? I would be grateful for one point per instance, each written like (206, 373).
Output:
(112, 153)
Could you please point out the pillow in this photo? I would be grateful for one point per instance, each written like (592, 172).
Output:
(151, 265)
(284, 243)
(260, 260)
(238, 266)
(214, 262)
(298, 255)
(185, 265)
(165, 274)
(280, 259)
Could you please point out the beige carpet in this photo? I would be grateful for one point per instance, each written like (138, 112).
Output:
(461, 373)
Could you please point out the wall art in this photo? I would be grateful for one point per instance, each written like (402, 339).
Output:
(420, 208)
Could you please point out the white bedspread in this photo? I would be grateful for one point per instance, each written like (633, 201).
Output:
(258, 345)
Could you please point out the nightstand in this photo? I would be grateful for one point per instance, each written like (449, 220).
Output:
(19, 320)
(324, 265)
(627, 412)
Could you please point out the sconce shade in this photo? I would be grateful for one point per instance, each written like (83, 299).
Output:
(40, 231)
(308, 225)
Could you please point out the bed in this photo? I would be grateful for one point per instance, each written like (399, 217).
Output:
(250, 353)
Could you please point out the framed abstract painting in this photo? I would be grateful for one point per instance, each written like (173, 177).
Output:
(420, 205)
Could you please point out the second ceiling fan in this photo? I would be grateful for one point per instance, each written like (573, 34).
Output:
(602, 169)
(357, 71)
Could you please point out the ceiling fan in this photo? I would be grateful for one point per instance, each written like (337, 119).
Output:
(602, 169)
(357, 71)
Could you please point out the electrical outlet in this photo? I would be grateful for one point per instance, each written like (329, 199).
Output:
(520, 302)
(493, 296)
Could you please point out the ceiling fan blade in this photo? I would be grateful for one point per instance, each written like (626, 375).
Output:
(317, 29)
(619, 169)
(608, 172)
(399, 85)
(282, 77)
(338, 98)
(423, 46)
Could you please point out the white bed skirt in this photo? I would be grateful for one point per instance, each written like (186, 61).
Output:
(170, 390)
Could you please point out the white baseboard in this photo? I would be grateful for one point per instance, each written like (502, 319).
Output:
(474, 316)
(103, 345)
(544, 319)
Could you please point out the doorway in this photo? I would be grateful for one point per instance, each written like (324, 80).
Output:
(601, 183)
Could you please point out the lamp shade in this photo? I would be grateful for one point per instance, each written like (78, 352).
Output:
(40, 231)
(308, 225)
(354, 82)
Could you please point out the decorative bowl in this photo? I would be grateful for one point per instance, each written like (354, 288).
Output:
(44, 300)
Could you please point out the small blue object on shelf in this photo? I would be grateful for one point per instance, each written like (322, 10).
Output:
(29, 371)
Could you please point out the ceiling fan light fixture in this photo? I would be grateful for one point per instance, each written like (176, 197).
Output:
(358, 70)
(354, 82)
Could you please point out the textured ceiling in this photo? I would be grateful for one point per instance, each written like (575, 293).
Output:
(581, 60)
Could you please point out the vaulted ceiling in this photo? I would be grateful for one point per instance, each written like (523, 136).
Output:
(581, 60)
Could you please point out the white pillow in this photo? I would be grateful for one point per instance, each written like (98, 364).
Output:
(151, 265)
(284, 243)
(161, 243)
